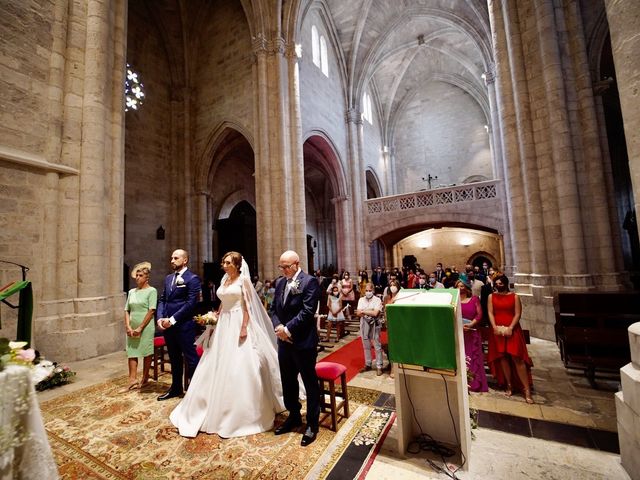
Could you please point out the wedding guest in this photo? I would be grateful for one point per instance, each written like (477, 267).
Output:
(335, 316)
(369, 308)
(138, 312)
(347, 295)
(508, 357)
(471, 318)
(391, 292)
(269, 290)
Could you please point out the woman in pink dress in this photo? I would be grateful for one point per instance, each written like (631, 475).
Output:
(472, 317)
(508, 357)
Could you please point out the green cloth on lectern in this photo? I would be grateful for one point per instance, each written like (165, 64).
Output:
(423, 334)
(13, 288)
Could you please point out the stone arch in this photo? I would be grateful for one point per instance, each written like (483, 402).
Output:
(208, 162)
(373, 184)
(232, 200)
(482, 254)
(318, 143)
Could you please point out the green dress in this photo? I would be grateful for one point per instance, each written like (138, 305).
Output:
(139, 302)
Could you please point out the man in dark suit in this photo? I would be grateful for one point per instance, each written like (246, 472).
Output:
(176, 309)
(295, 301)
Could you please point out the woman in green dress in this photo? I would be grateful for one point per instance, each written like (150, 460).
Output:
(138, 313)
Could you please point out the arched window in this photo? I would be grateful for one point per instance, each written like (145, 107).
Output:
(323, 56)
(315, 46)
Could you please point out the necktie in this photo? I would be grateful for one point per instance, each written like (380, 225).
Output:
(175, 280)
(287, 287)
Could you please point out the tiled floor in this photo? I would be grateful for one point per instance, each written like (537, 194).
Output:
(514, 440)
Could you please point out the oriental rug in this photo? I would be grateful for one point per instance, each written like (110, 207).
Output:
(96, 433)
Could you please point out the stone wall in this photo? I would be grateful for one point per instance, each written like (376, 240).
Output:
(148, 173)
(442, 133)
(322, 102)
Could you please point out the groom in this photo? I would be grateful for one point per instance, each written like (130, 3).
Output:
(294, 305)
(176, 309)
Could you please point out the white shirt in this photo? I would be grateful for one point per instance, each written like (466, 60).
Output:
(174, 283)
(374, 303)
(287, 288)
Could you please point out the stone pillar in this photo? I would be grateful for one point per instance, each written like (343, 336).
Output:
(280, 211)
(498, 161)
(624, 25)
(353, 226)
(297, 157)
(511, 170)
(343, 229)
(80, 316)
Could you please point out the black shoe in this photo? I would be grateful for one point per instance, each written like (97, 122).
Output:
(168, 395)
(366, 368)
(309, 436)
(289, 424)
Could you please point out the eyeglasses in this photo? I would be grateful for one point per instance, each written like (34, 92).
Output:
(285, 267)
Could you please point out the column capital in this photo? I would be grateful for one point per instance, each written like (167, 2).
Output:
(353, 115)
(260, 45)
(489, 76)
(292, 51)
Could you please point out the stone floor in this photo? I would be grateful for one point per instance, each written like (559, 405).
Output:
(560, 396)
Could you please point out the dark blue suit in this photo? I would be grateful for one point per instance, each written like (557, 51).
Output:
(297, 313)
(179, 302)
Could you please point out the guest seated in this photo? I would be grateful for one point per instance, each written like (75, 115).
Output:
(471, 317)
(508, 357)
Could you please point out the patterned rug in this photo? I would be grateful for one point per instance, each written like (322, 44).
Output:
(96, 433)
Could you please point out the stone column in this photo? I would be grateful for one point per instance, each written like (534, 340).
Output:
(343, 230)
(353, 226)
(92, 221)
(279, 177)
(624, 25)
(628, 408)
(498, 162)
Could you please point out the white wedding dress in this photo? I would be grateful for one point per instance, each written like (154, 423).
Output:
(236, 388)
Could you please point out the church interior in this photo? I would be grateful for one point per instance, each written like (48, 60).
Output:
(360, 134)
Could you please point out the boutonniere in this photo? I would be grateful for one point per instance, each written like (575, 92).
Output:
(179, 281)
(294, 287)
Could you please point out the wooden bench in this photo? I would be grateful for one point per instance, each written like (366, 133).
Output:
(591, 330)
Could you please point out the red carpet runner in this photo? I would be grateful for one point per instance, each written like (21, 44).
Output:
(352, 356)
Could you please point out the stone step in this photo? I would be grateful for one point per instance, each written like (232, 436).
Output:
(634, 342)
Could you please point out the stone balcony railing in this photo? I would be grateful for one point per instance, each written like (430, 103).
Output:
(438, 197)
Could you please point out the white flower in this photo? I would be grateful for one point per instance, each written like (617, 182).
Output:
(294, 287)
(179, 281)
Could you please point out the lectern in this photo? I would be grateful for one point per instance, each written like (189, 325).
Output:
(426, 344)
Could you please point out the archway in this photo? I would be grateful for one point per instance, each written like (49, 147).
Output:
(374, 190)
(324, 191)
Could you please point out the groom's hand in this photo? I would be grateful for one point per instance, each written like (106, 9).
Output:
(282, 334)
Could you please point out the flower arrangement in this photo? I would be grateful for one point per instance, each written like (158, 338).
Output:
(13, 353)
(209, 318)
(49, 374)
(45, 374)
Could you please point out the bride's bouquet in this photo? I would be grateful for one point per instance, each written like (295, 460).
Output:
(209, 318)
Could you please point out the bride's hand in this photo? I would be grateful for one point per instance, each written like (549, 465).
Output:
(243, 334)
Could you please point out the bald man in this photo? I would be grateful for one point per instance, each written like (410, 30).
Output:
(176, 309)
(294, 305)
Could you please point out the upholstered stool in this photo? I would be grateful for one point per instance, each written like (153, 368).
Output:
(330, 372)
(159, 348)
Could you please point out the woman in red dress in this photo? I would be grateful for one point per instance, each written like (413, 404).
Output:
(508, 357)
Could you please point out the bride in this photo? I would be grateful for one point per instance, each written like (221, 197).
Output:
(236, 389)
